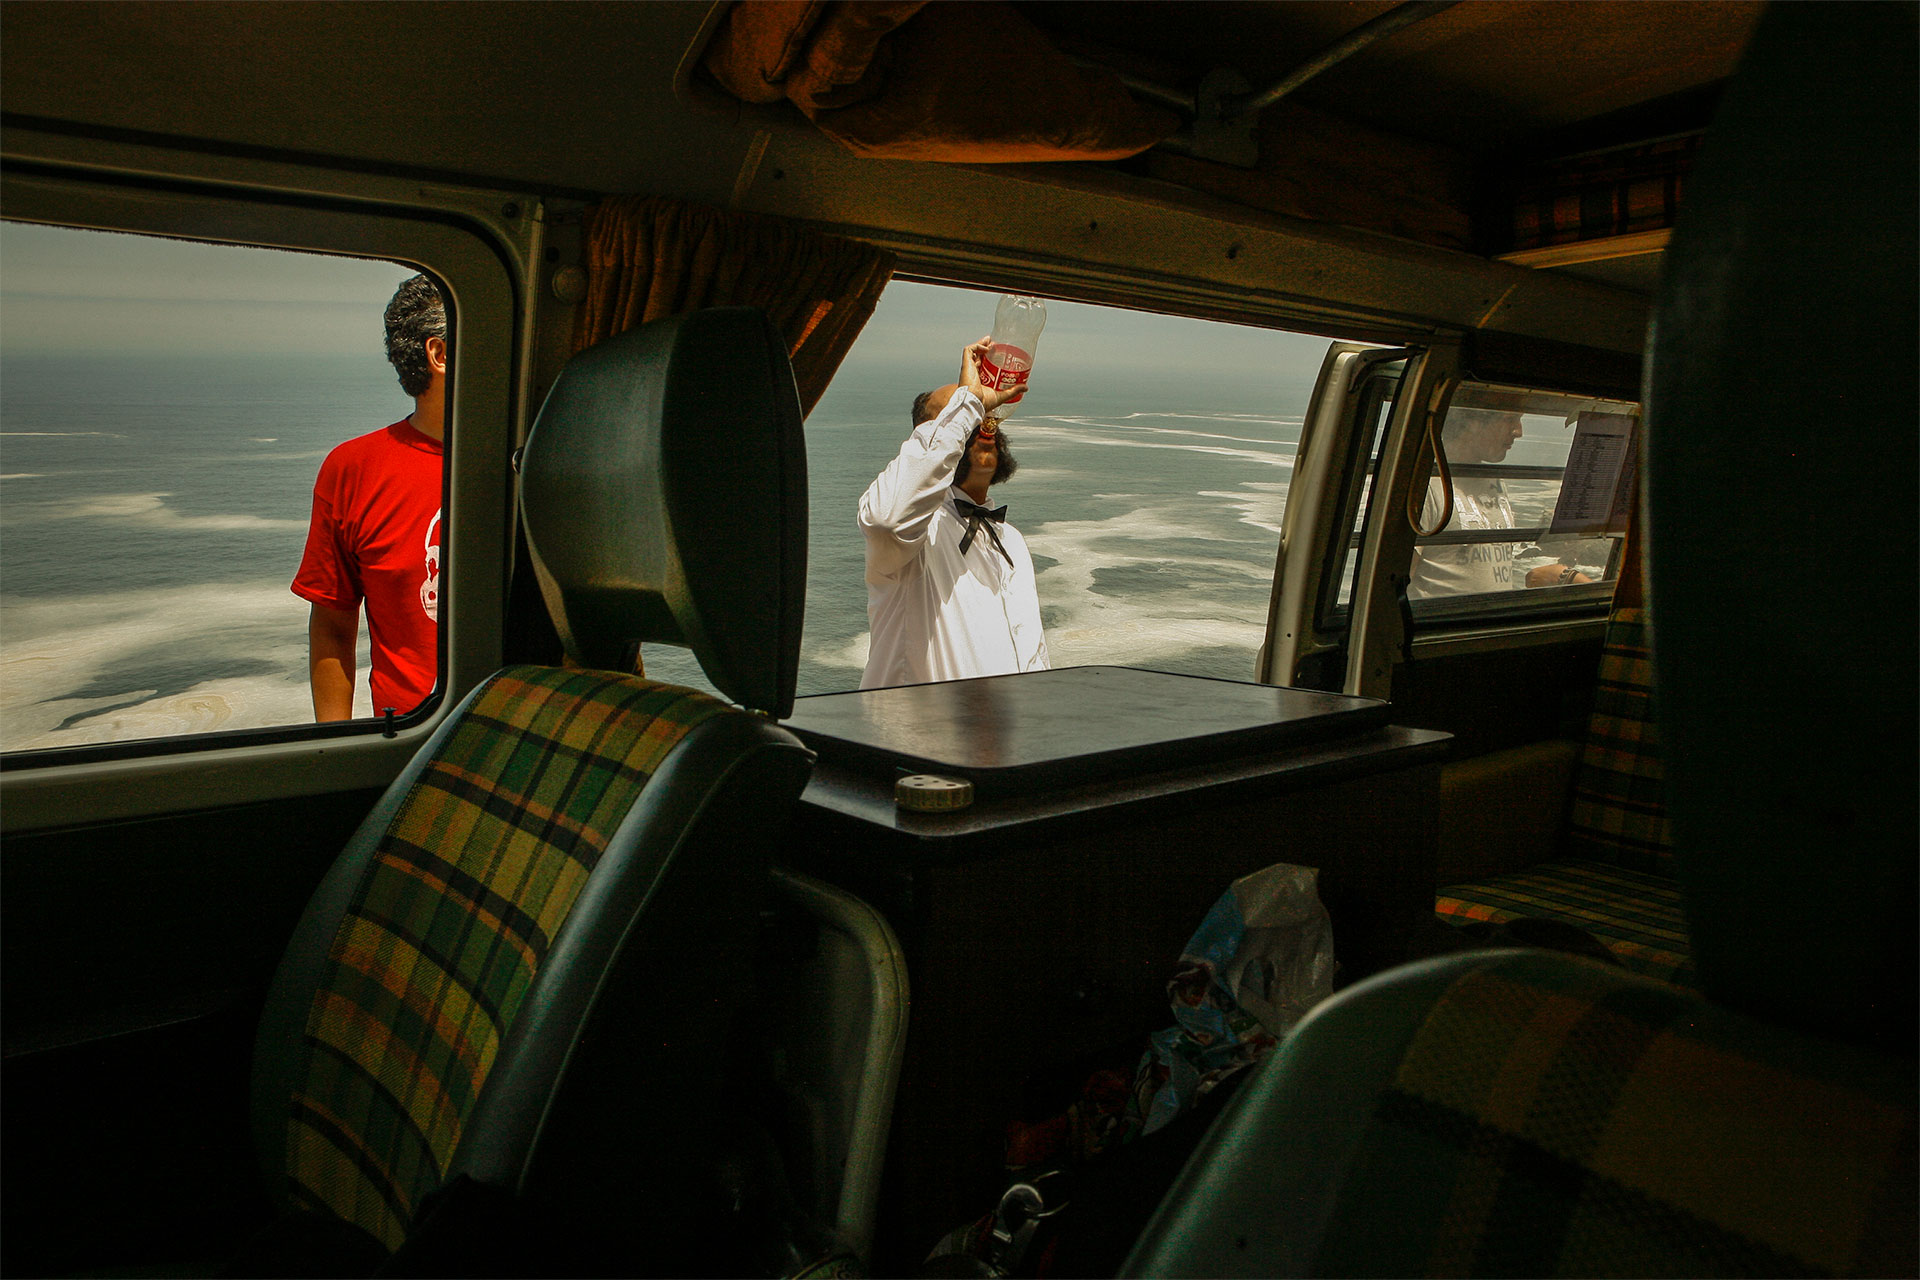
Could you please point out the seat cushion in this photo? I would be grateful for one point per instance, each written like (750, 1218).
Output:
(1636, 914)
(449, 924)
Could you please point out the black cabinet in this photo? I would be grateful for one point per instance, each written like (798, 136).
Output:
(1042, 922)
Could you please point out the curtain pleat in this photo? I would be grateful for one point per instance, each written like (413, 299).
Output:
(648, 257)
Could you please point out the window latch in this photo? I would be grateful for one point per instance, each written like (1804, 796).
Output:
(1400, 583)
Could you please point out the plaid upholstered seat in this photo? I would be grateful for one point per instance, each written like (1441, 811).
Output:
(1635, 914)
(503, 1022)
(477, 1040)
(452, 918)
(1619, 813)
(1615, 878)
(1535, 1114)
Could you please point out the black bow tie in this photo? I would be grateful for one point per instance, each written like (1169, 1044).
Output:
(979, 518)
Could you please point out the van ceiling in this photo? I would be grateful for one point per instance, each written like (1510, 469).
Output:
(1493, 78)
(1480, 108)
(582, 97)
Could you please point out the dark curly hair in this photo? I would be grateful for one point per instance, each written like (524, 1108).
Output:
(922, 409)
(416, 313)
(1004, 465)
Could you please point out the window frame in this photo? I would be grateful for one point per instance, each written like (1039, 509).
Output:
(1364, 339)
(1322, 501)
(1442, 614)
(1378, 389)
(1310, 637)
(129, 748)
(477, 244)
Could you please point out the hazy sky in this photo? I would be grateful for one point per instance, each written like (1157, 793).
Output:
(66, 290)
(925, 325)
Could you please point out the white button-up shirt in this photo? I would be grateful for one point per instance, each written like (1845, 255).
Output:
(936, 614)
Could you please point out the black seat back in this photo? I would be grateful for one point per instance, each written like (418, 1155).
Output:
(1781, 533)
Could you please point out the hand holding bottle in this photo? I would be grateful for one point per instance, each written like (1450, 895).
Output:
(973, 379)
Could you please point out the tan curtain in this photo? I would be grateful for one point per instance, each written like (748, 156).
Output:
(652, 257)
(821, 55)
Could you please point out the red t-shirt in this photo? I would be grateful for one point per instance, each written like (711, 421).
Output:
(375, 536)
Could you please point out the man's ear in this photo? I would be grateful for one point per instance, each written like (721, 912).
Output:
(437, 354)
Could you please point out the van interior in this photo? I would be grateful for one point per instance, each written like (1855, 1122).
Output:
(637, 948)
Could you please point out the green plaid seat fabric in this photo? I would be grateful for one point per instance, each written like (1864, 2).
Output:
(1619, 812)
(1637, 915)
(462, 898)
(1553, 1117)
(1615, 879)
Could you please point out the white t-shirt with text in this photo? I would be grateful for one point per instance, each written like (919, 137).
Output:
(1475, 567)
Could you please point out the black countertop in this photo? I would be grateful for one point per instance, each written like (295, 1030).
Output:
(1037, 732)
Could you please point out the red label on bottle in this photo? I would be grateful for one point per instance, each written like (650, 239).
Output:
(1004, 368)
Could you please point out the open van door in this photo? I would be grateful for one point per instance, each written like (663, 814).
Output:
(1325, 545)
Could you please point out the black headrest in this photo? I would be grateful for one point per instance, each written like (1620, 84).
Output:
(664, 490)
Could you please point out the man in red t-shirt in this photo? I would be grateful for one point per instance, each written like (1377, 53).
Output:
(375, 534)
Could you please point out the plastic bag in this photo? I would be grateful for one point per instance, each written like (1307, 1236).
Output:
(1259, 961)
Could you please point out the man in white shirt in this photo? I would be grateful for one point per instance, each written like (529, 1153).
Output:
(950, 590)
(1479, 502)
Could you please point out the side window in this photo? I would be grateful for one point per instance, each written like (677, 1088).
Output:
(165, 410)
(1515, 521)
(1154, 455)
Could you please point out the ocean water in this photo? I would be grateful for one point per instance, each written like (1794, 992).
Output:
(152, 513)
(1153, 515)
(153, 510)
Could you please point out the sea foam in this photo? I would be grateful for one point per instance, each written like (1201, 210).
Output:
(82, 669)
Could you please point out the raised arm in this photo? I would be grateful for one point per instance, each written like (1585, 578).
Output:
(898, 506)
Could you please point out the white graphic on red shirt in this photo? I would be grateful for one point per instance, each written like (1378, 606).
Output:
(430, 589)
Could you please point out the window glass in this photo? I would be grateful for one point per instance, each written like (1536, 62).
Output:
(165, 407)
(1154, 457)
(1508, 450)
(1376, 411)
